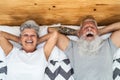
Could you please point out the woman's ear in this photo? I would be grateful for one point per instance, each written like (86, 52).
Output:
(19, 41)
(38, 41)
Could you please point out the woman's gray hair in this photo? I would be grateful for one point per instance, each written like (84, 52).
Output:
(31, 24)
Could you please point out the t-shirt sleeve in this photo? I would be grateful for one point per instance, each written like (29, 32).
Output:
(68, 48)
(14, 50)
(112, 46)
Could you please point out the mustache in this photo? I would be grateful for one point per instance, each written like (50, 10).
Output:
(89, 32)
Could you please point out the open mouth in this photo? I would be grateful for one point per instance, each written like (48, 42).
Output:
(29, 41)
(89, 35)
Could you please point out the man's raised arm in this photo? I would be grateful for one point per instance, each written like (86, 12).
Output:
(110, 28)
(60, 39)
(65, 30)
(115, 29)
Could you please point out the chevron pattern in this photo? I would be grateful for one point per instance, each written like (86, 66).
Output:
(1, 61)
(3, 70)
(59, 70)
(116, 69)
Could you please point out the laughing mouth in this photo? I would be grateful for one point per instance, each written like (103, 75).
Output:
(29, 41)
(89, 35)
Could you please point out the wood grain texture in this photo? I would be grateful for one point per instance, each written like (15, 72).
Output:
(70, 12)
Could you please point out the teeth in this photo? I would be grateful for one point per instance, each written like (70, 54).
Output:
(89, 34)
(29, 41)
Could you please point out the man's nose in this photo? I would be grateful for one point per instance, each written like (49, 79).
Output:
(89, 29)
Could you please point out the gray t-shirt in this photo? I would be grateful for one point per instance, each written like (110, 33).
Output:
(92, 67)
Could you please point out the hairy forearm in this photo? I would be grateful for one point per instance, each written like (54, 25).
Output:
(60, 39)
(110, 28)
(64, 30)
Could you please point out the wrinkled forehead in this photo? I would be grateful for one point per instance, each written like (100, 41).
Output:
(89, 22)
(28, 31)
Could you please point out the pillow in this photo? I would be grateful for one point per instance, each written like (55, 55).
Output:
(58, 67)
(15, 30)
(62, 64)
(56, 55)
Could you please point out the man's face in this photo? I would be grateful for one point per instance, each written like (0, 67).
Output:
(28, 40)
(89, 30)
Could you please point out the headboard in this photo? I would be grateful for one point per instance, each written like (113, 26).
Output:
(68, 12)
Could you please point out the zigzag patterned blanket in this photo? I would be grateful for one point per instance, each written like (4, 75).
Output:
(3, 67)
(59, 67)
(3, 70)
(116, 66)
(59, 70)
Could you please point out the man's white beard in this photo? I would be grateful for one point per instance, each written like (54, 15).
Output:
(89, 47)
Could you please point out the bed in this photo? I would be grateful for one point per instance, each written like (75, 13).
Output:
(57, 55)
(55, 13)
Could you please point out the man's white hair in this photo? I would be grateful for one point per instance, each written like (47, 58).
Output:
(89, 18)
(86, 47)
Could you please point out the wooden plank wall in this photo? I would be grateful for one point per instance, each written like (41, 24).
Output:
(70, 12)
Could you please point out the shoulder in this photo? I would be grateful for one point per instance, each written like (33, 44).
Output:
(115, 38)
(71, 45)
(108, 43)
(14, 51)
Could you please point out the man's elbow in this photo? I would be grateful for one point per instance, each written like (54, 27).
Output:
(52, 29)
(49, 29)
(2, 34)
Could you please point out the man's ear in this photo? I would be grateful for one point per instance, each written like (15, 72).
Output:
(78, 33)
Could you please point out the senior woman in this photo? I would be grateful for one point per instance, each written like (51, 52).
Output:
(27, 62)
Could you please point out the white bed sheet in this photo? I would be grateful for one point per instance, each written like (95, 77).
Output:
(43, 30)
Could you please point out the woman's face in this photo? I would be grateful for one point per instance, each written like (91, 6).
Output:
(28, 39)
